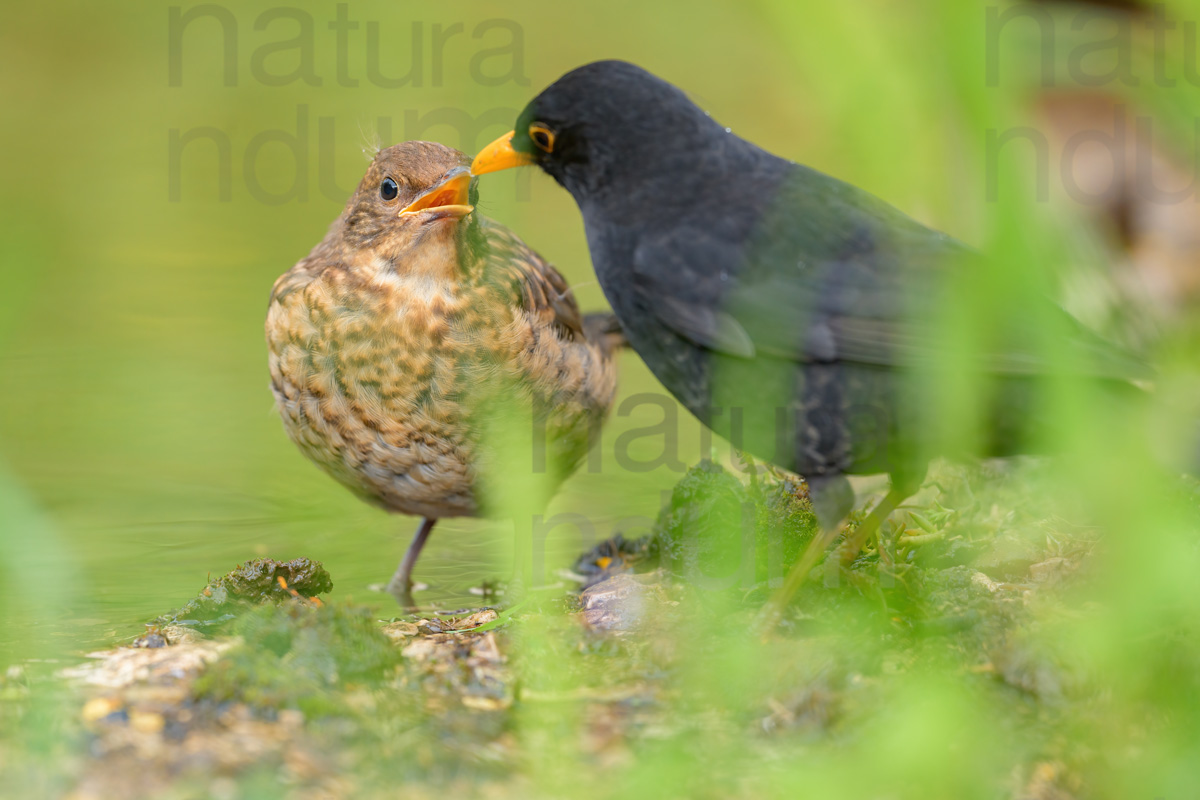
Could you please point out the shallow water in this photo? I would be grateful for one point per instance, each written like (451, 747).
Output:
(97, 555)
(138, 447)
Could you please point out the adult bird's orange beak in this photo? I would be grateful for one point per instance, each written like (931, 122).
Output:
(499, 155)
(448, 198)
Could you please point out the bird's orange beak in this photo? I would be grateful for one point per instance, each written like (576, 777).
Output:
(499, 155)
(448, 198)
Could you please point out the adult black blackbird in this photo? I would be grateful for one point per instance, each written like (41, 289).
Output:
(791, 312)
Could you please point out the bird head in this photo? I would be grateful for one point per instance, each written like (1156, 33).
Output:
(414, 193)
(604, 127)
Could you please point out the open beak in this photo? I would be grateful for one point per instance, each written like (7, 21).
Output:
(446, 199)
(499, 155)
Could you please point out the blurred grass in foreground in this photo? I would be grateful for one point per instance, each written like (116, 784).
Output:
(1100, 694)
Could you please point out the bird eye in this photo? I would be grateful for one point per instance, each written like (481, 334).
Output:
(542, 136)
(388, 189)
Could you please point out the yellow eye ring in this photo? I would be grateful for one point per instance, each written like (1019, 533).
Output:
(543, 137)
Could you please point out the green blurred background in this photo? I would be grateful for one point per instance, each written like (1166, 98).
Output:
(139, 451)
(136, 426)
(136, 429)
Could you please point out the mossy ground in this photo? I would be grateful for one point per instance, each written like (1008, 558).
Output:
(947, 661)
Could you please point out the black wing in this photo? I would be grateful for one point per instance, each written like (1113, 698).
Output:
(832, 274)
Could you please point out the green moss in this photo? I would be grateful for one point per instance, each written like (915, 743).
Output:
(295, 655)
(786, 520)
(700, 531)
(251, 584)
(717, 528)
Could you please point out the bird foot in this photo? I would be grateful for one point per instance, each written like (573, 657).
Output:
(402, 591)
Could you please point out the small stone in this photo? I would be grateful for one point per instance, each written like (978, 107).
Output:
(151, 640)
(399, 631)
(475, 620)
(100, 707)
(146, 722)
(621, 603)
(481, 703)
(979, 579)
(1051, 569)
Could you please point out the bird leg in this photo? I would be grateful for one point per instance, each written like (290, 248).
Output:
(400, 586)
(795, 577)
(832, 498)
(869, 527)
(820, 543)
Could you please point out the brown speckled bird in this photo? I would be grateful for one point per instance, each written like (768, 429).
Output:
(403, 329)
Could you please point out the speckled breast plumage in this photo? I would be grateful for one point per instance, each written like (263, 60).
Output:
(385, 377)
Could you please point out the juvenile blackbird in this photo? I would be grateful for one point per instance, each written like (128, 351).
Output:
(791, 312)
(395, 340)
